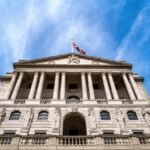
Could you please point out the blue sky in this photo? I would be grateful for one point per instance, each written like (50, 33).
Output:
(113, 29)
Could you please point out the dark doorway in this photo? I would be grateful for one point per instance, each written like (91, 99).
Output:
(74, 125)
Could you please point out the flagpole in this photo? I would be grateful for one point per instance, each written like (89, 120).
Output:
(72, 46)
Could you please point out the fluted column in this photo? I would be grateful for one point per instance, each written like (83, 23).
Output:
(128, 87)
(63, 86)
(84, 87)
(56, 86)
(17, 86)
(40, 86)
(11, 85)
(106, 87)
(91, 89)
(33, 87)
(113, 87)
(135, 88)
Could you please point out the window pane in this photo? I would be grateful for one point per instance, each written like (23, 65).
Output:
(43, 116)
(132, 115)
(105, 115)
(15, 115)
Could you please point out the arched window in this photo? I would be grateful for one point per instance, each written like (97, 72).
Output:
(105, 115)
(43, 115)
(15, 115)
(132, 115)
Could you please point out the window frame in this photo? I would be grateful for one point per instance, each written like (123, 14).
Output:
(106, 117)
(43, 116)
(132, 115)
(14, 115)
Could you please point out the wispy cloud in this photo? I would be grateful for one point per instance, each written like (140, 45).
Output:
(139, 23)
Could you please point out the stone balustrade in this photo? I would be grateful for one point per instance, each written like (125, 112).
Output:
(102, 101)
(105, 140)
(45, 101)
(76, 140)
(126, 101)
(116, 140)
(6, 139)
(73, 101)
(34, 140)
(144, 139)
(20, 101)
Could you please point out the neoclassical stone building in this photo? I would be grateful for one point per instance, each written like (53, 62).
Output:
(73, 101)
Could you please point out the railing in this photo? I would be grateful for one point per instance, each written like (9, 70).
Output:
(116, 140)
(144, 139)
(34, 140)
(5, 140)
(102, 101)
(20, 101)
(73, 101)
(76, 140)
(45, 101)
(127, 102)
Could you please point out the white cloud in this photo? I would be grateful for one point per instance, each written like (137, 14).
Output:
(135, 28)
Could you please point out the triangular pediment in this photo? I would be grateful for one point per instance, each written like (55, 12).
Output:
(72, 59)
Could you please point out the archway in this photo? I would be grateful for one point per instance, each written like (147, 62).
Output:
(74, 124)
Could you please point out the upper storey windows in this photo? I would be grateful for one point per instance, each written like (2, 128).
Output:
(132, 115)
(15, 115)
(43, 115)
(104, 115)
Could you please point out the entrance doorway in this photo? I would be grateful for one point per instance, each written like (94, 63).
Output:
(74, 125)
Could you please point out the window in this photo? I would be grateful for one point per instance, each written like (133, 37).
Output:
(105, 115)
(43, 115)
(50, 86)
(73, 86)
(96, 86)
(15, 115)
(132, 115)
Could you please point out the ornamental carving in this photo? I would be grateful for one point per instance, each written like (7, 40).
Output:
(73, 59)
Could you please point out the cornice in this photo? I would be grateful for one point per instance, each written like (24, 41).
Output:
(77, 105)
(70, 66)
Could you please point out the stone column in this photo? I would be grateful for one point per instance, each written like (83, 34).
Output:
(106, 87)
(84, 88)
(90, 84)
(56, 86)
(63, 85)
(17, 86)
(12, 84)
(33, 87)
(113, 87)
(135, 88)
(128, 87)
(40, 86)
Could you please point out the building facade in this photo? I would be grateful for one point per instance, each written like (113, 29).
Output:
(73, 101)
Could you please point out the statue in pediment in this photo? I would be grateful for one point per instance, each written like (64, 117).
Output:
(73, 59)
